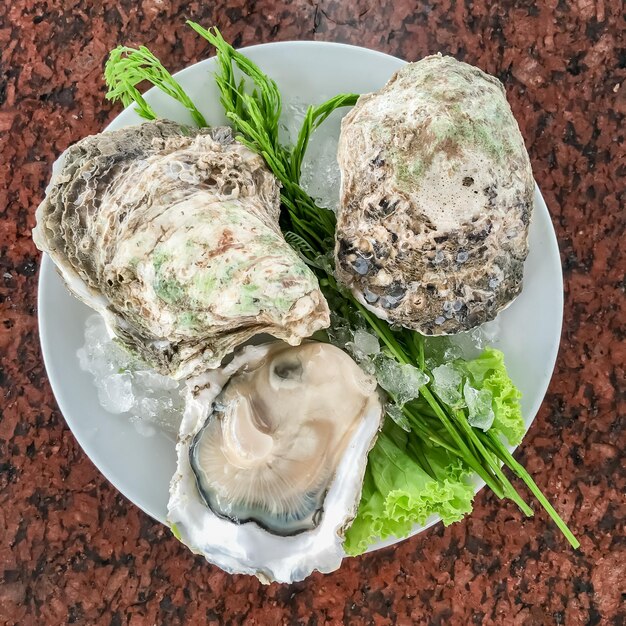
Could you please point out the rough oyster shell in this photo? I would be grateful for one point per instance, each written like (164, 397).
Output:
(436, 198)
(282, 463)
(172, 234)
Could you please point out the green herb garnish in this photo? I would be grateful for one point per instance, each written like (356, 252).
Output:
(127, 67)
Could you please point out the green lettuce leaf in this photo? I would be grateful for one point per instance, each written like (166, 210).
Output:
(398, 492)
(489, 372)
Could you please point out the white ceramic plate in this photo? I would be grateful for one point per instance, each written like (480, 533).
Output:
(141, 467)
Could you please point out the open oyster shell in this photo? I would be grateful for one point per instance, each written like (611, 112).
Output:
(436, 199)
(272, 451)
(172, 234)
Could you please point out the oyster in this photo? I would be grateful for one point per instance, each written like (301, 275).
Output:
(272, 452)
(172, 234)
(436, 198)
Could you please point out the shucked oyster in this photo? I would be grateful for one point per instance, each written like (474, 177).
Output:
(437, 194)
(271, 456)
(172, 234)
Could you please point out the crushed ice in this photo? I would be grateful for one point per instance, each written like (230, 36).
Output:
(363, 345)
(395, 413)
(479, 407)
(447, 385)
(321, 178)
(128, 386)
(472, 342)
(403, 382)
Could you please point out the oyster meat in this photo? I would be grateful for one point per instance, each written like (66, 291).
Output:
(272, 452)
(171, 233)
(436, 198)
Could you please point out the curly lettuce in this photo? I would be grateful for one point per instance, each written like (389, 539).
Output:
(488, 371)
(398, 493)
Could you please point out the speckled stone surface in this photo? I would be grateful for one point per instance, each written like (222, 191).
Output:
(72, 550)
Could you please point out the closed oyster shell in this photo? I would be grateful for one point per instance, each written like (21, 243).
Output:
(436, 199)
(172, 234)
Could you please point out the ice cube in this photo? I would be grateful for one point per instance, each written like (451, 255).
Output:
(363, 346)
(366, 342)
(115, 392)
(291, 120)
(321, 177)
(339, 332)
(447, 385)
(452, 353)
(491, 331)
(367, 365)
(479, 406)
(395, 413)
(474, 341)
(403, 382)
(100, 355)
(148, 408)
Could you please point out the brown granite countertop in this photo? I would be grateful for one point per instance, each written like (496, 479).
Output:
(73, 550)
